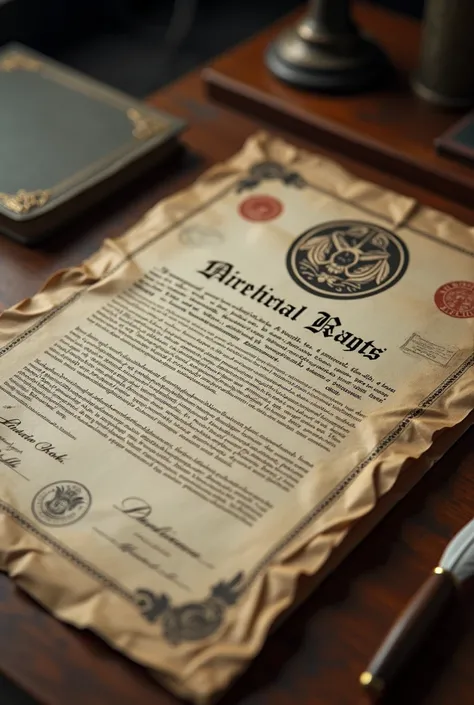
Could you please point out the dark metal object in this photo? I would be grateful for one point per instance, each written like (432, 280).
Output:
(326, 52)
(445, 75)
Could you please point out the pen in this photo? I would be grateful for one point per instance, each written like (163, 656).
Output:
(455, 567)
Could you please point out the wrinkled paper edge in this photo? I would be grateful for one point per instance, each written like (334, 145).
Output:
(199, 671)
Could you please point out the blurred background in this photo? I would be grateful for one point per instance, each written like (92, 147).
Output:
(122, 42)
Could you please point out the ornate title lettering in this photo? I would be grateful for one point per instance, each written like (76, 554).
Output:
(329, 327)
(326, 324)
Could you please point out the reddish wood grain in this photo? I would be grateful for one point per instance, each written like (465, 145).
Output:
(391, 129)
(316, 656)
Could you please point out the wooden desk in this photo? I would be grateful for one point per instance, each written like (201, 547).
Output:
(389, 128)
(316, 656)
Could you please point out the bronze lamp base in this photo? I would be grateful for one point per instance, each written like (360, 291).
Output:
(325, 52)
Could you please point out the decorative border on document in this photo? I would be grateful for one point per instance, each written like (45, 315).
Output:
(197, 620)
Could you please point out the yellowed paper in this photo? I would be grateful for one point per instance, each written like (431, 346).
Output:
(202, 411)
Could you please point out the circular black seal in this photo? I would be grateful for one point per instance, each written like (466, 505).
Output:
(347, 259)
(61, 503)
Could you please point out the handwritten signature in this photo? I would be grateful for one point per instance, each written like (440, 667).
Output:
(46, 447)
(10, 461)
(10, 446)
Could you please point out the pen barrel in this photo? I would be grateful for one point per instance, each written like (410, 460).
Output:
(409, 631)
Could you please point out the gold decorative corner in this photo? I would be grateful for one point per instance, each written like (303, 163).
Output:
(144, 125)
(16, 62)
(24, 201)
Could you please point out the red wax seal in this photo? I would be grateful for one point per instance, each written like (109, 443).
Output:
(456, 299)
(258, 208)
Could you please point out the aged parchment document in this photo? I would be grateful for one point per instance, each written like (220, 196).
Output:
(207, 407)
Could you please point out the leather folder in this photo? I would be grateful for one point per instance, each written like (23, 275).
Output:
(67, 141)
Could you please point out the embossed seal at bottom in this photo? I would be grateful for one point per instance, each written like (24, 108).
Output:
(456, 299)
(61, 503)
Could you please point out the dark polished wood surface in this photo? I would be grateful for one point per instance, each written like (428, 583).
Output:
(315, 657)
(390, 128)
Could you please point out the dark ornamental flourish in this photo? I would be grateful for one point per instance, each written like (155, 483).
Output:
(265, 171)
(194, 620)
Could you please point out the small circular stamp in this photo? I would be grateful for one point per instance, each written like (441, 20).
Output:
(61, 503)
(260, 208)
(200, 236)
(456, 299)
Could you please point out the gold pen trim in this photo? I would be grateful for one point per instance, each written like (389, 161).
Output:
(371, 682)
(442, 571)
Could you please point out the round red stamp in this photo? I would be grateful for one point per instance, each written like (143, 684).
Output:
(456, 299)
(260, 208)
